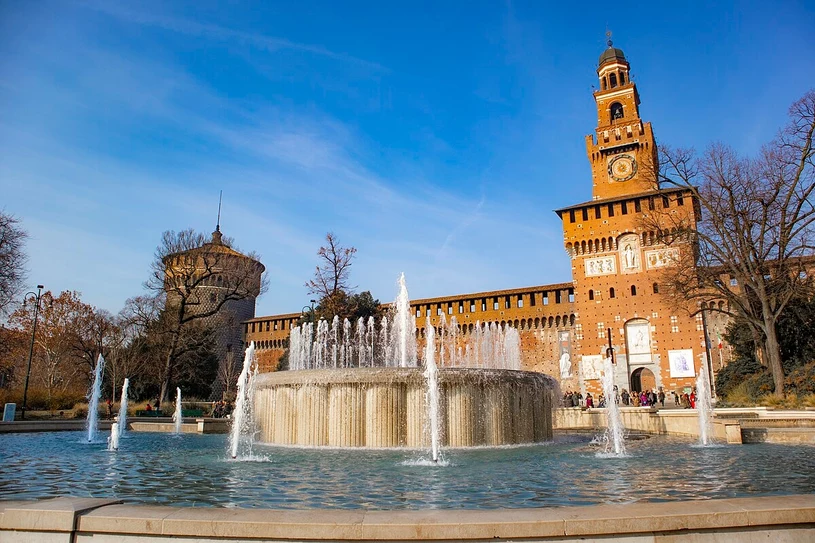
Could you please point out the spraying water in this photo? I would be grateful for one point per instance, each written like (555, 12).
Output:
(123, 408)
(704, 406)
(177, 417)
(242, 415)
(404, 328)
(431, 374)
(614, 433)
(113, 440)
(93, 402)
(391, 342)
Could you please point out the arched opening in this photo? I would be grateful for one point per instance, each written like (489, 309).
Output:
(611, 292)
(612, 80)
(656, 288)
(643, 379)
(604, 84)
(591, 295)
(616, 111)
(622, 78)
(633, 290)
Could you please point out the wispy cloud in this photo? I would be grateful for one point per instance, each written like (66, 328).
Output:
(220, 33)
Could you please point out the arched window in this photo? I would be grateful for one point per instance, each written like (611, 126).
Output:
(656, 288)
(604, 84)
(616, 111)
(633, 290)
(611, 292)
(591, 295)
(622, 78)
(612, 79)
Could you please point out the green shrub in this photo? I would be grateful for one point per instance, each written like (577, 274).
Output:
(760, 384)
(734, 373)
(801, 381)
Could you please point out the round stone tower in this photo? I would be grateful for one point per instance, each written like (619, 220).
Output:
(219, 285)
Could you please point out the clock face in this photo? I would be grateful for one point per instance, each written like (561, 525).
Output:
(622, 167)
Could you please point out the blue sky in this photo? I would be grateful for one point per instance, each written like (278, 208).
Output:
(437, 139)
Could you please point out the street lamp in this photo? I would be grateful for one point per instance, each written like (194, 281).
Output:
(310, 310)
(37, 295)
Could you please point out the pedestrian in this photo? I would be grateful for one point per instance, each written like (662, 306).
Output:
(661, 397)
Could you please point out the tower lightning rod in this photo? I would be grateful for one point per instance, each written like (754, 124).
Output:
(218, 224)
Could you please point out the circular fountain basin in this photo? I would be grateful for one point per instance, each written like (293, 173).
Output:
(386, 407)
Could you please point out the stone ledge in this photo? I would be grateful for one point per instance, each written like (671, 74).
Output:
(93, 516)
(56, 515)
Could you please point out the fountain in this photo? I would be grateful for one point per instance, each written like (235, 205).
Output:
(614, 436)
(93, 401)
(704, 406)
(113, 439)
(123, 408)
(242, 432)
(359, 385)
(178, 418)
(431, 373)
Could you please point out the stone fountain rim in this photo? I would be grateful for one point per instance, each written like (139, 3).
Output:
(387, 375)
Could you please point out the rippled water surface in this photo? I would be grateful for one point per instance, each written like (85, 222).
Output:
(193, 470)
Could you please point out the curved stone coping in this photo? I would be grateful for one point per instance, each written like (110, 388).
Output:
(395, 375)
(55, 425)
(741, 518)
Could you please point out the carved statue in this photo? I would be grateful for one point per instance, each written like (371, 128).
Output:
(565, 365)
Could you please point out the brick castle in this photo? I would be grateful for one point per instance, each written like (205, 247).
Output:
(613, 299)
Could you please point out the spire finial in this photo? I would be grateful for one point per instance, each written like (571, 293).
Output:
(218, 224)
(217, 236)
(608, 35)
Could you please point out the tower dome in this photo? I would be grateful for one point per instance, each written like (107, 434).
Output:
(612, 53)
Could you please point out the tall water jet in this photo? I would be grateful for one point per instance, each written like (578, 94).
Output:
(177, 417)
(93, 401)
(123, 408)
(431, 374)
(704, 406)
(113, 440)
(404, 328)
(241, 416)
(614, 442)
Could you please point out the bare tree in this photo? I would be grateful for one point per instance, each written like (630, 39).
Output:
(228, 372)
(197, 278)
(330, 280)
(12, 260)
(93, 331)
(753, 237)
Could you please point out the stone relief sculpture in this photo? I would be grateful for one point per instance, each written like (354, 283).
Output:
(630, 253)
(565, 366)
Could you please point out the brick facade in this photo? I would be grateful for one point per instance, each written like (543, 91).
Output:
(616, 269)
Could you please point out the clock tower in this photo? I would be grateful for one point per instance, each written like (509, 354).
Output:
(622, 151)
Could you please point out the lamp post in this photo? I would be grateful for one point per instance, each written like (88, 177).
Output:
(37, 295)
(310, 310)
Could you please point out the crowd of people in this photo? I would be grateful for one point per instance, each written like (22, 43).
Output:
(644, 398)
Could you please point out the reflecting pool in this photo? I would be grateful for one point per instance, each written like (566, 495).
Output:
(194, 470)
